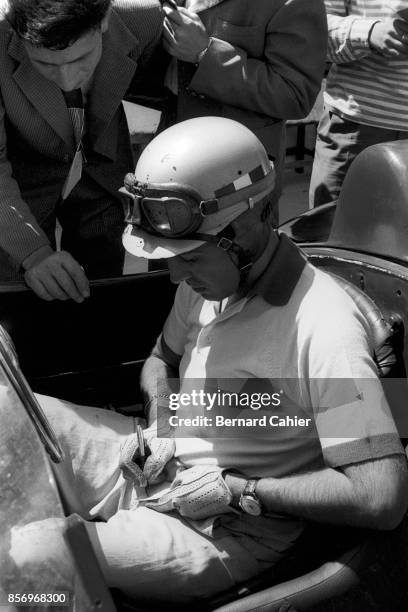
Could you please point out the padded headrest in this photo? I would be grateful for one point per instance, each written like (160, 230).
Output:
(388, 361)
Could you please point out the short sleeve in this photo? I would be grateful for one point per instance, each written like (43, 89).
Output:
(351, 412)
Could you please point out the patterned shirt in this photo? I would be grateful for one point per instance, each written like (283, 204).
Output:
(362, 85)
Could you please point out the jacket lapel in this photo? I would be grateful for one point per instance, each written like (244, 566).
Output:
(112, 78)
(43, 94)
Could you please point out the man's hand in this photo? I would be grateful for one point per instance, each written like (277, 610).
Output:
(390, 37)
(160, 451)
(134, 464)
(56, 276)
(197, 493)
(185, 36)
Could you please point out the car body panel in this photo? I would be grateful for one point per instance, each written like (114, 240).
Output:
(32, 518)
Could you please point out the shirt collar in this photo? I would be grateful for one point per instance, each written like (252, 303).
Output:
(281, 276)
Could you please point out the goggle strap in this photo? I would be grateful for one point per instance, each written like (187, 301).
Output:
(207, 207)
(132, 212)
(262, 188)
(225, 243)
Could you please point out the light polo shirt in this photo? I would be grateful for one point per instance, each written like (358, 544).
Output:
(296, 325)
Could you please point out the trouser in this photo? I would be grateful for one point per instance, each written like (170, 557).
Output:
(146, 554)
(338, 143)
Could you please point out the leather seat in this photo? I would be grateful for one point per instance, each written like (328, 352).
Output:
(312, 226)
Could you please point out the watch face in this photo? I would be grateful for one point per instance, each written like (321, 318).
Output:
(250, 505)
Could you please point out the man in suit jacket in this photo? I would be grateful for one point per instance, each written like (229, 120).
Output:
(256, 61)
(48, 49)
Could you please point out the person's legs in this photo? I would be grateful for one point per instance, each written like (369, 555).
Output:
(89, 477)
(149, 555)
(338, 143)
(144, 553)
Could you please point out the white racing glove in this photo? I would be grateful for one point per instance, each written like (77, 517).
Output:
(197, 493)
(161, 451)
(144, 468)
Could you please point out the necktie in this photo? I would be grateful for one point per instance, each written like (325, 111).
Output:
(75, 104)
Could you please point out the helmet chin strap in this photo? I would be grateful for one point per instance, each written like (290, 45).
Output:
(224, 240)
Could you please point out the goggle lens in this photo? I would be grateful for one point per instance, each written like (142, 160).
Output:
(169, 216)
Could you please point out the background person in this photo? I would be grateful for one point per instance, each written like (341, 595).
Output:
(256, 61)
(65, 67)
(366, 97)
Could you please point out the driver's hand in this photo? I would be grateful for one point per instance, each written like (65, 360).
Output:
(56, 276)
(158, 451)
(197, 493)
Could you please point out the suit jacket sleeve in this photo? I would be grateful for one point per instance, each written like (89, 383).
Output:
(282, 84)
(20, 233)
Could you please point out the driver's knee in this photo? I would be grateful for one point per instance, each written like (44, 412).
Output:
(153, 556)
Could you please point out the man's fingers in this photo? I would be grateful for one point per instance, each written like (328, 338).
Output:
(153, 468)
(168, 31)
(154, 506)
(42, 281)
(396, 42)
(68, 285)
(59, 284)
(400, 51)
(38, 288)
(174, 16)
(169, 47)
(58, 276)
(401, 25)
(53, 285)
(402, 43)
(77, 275)
(129, 455)
(396, 48)
(161, 451)
(186, 15)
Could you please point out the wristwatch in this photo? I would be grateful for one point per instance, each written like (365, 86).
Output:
(249, 502)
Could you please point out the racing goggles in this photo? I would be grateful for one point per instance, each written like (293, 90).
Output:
(175, 211)
(168, 209)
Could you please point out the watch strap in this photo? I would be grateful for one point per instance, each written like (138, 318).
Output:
(250, 488)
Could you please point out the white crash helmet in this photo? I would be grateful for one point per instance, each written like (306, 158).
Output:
(190, 182)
